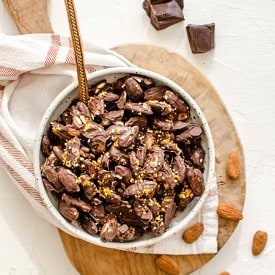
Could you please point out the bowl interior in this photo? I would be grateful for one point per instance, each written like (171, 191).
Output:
(61, 103)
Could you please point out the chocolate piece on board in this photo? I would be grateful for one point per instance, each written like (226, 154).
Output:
(165, 14)
(201, 37)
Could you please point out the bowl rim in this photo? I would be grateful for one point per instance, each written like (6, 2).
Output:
(80, 233)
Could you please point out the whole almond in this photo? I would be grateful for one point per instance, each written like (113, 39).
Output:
(229, 212)
(192, 233)
(167, 264)
(259, 242)
(233, 166)
(225, 273)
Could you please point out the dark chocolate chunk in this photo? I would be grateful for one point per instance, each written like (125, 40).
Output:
(163, 14)
(201, 37)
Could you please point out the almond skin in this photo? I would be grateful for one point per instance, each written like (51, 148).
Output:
(259, 242)
(229, 212)
(233, 166)
(192, 233)
(167, 264)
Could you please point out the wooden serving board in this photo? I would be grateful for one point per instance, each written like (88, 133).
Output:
(89, 259)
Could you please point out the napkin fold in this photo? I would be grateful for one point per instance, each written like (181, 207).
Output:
(34, 68)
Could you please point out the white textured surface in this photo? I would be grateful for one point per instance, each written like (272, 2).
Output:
(242, 69)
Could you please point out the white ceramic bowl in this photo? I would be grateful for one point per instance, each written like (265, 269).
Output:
(63, 100)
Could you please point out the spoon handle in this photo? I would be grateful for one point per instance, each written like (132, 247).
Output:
(83, 88)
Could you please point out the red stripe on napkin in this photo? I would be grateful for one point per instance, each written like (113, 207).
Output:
(24, 184)
(25, 162)
(53, 51)
(9, 72)
(16, 154)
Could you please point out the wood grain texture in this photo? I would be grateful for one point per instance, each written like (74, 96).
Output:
(90, 259)
(30, 16)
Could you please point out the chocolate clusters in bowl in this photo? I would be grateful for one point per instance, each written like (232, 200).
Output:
(122, 165)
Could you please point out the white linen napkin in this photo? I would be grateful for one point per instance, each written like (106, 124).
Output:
(34, 68)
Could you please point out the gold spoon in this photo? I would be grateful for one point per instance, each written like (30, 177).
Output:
(83, 87)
